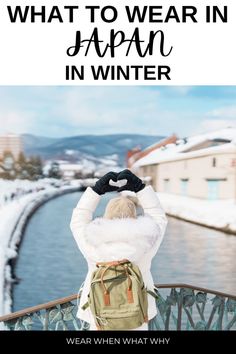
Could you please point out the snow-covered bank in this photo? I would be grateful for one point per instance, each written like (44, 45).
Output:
(15, 189)
(217, 214)
(13, 218)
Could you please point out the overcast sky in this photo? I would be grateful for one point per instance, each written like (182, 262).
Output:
(66, 111)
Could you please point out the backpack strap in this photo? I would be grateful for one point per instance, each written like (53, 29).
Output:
(106, 295)
(150, 292)
(85, 306)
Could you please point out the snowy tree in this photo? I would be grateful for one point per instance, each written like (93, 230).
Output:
(38, 165)
(54, 171)
(21, 166)
(7, 166)
(34, 167)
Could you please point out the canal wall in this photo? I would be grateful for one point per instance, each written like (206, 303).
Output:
(17, 215)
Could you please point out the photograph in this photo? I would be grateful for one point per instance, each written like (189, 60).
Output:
(118, 208)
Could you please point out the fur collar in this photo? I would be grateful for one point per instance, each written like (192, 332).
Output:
(122, 238)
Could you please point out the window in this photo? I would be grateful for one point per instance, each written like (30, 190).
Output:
(213, 187)
(214, 162)
(213, 190)
(184, 186)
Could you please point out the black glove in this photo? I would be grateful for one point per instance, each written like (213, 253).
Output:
(102, 185)
(133, 184)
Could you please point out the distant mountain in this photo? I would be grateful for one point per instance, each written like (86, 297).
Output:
(33, 141)
(90, 147)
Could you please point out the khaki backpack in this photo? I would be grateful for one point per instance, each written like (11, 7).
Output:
(118, 297)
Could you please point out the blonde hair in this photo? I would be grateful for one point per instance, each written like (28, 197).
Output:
(119, 208)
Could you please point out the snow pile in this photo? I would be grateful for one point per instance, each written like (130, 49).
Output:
(218, 214)
(14, 214)
(12, 190)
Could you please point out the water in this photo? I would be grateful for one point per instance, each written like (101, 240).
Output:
(50, 265)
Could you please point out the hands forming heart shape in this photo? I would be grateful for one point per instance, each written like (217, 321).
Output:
(133, 183)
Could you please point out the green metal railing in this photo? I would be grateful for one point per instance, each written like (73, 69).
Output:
(179, 307)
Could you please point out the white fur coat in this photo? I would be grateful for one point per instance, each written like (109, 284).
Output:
(103, 240)
(116, 239)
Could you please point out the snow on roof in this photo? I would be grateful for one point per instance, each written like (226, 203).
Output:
(227, 134)
(177, 151)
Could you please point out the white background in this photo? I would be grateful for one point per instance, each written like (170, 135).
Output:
(35, 53)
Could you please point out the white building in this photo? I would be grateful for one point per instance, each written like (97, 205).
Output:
(202, 166)
(11, 143)
(69, 170)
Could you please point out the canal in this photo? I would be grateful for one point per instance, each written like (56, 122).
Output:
(50, 265)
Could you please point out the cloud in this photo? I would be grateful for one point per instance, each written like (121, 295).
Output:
(180, 90)
(212, 93)
(219, 118)
(65, 111)
(73, 110)
(108, 109)
(228, 112)
(12, 121)
(209, 125)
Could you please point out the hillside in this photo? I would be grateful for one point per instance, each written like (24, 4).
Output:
(90, 147)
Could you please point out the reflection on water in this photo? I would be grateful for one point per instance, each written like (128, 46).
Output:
(50, 265)
(196, 255)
